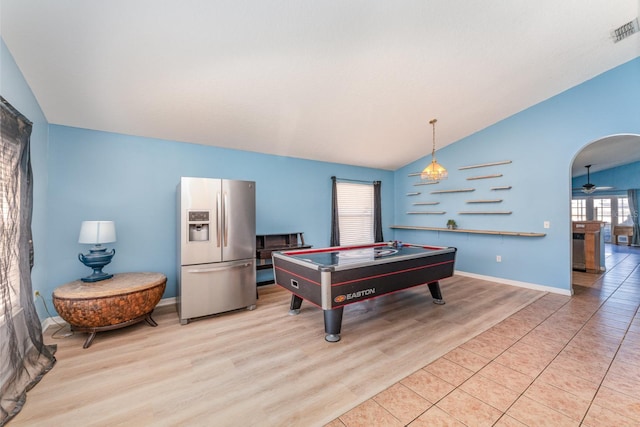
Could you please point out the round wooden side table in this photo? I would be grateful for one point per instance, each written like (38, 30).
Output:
(123, 300)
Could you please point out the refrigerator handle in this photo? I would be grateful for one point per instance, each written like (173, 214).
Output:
(226, 219)
(218, 228)
(212, 269)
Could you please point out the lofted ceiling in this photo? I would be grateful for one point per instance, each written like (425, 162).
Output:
(606, 153)
(345, 81)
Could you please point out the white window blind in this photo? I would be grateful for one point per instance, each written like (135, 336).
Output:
(355, 213)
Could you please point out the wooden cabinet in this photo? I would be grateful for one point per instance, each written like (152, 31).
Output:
(622, 230)
(588, 246)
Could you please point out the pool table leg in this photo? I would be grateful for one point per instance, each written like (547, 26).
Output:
(434, 288)
(333, 324)
(296, 303)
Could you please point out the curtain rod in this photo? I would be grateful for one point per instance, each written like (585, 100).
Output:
(354, 180)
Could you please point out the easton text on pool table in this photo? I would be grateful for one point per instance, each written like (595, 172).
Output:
(331, 278)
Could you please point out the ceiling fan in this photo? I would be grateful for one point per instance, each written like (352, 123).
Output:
(589, 188)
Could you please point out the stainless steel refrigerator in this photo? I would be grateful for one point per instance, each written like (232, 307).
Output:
(216, 246)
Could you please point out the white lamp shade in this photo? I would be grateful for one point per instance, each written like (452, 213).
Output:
(97, 232)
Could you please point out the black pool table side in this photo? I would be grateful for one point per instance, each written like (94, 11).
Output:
(350, 285)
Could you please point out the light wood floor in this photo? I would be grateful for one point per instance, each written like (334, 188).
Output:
(262, 367)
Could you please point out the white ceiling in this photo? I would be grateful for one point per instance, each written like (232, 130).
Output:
(607, 153)
(344, 81)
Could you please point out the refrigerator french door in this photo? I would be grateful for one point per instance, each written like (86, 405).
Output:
(216, 246)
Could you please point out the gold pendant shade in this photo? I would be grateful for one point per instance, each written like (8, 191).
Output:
(435, 171)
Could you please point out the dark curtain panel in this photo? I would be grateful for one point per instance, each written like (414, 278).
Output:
(24, 358)
(377, 212)
(633, 207)
(335, 223)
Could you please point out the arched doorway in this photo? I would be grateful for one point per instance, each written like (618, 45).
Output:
(611, 165)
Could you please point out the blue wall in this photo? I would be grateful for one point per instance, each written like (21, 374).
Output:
(621, 178)
(138, 176)
(131, 180)
(541, 142)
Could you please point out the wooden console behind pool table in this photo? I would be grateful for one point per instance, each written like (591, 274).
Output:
(266, 244)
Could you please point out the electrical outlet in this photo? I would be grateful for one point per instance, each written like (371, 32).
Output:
(547, 224)
(498, 258)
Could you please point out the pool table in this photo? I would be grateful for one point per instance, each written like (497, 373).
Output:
(334, 277)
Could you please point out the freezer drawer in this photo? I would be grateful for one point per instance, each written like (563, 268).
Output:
(207, 289)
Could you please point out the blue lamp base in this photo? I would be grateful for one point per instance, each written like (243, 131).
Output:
(96, 259)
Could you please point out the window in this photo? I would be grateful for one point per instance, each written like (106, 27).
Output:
(9, 225)
(612, 210)
(602, 210)
(624, 212)
(24, 357)
(355, 213)
(578, 210)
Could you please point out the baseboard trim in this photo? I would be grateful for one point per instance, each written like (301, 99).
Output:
(57, 320)
(167, 301)
(517, 283)
(52, 321)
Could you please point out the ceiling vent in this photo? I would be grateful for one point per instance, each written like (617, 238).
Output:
(625, 31)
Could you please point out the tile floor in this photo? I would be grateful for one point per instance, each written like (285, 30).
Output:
(561, 361)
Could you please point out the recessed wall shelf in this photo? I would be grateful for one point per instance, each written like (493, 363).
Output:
(485, 201)
(485, 213)
(427, 183)
(460, 230)
(462, 190)
(413, 194)
(504, 162)
(506, 187)
(427, 212)
(495, 175)
(425, 203)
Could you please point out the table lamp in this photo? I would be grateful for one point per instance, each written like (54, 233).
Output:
(96, 233)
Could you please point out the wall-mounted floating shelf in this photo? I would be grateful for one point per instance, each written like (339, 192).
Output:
(485, 213)
(504, 162)
(485, 201)
(425, 203)
(427, 213)
(506, 187)
(462, 190)
(495, 175)
(413, 194)
(426, 183)
(460, 230)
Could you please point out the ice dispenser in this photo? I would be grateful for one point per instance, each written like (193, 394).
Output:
(198, 226)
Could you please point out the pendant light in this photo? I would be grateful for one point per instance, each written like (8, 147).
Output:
(435, 171)
(588, 188)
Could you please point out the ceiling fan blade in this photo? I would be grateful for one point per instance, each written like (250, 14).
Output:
(596, 189)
